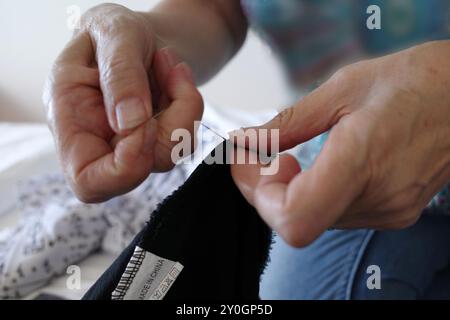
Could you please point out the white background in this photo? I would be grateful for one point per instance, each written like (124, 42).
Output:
(33, 32)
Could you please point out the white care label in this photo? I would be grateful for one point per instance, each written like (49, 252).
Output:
(146, 277)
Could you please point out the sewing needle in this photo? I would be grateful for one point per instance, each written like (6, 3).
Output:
(213, 131)
(204, 125)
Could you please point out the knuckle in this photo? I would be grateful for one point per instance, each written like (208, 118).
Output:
(119, 67)
(56, 85)
(60, 97)
(110, 19)
(347, 74)
(98, 13)
(343, 75)
(354, 148)
(284, 121)
(115, 68)
(286, 116)
(119, 75)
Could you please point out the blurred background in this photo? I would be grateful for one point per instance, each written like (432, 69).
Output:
(32, 33)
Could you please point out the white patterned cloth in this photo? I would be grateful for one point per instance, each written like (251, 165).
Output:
(57, 230)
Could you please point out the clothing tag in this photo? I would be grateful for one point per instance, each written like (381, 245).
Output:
(146, 277)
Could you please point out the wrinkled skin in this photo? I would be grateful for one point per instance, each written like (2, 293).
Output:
(112, 66)
(387, 155)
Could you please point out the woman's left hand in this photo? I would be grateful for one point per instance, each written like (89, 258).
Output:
(387, 155)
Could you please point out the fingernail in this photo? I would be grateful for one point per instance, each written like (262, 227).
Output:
(186, 72)
(171, 58)
(150, 136)
(130, 113)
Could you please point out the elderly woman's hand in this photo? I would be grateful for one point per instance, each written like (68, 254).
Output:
(103, 92)
(387, 154)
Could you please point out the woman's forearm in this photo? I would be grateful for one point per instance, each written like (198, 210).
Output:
(205, 33)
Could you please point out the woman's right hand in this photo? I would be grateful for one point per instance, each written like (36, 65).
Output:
(101, 96)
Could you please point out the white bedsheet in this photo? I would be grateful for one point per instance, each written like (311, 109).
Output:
(25, 149)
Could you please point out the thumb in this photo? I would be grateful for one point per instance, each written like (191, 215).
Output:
(300, 209)
(123, 65)
(314, 114)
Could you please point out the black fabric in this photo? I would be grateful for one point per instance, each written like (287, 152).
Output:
(209, 228)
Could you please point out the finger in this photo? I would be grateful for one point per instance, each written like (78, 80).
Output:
(185, 108)
(163, 62)
(79, 51)
(99, 173)
(314, 114)
(73, 63)
(122, 62)
(248, 176)
(315, 199)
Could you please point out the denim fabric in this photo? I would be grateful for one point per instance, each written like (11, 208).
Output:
(323, 270)
(414, 264)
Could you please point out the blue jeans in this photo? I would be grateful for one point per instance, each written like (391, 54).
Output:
(414, 264)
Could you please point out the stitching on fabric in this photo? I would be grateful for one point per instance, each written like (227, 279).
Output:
(129, 274)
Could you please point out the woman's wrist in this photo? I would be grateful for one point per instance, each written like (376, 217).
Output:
(181, 24)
